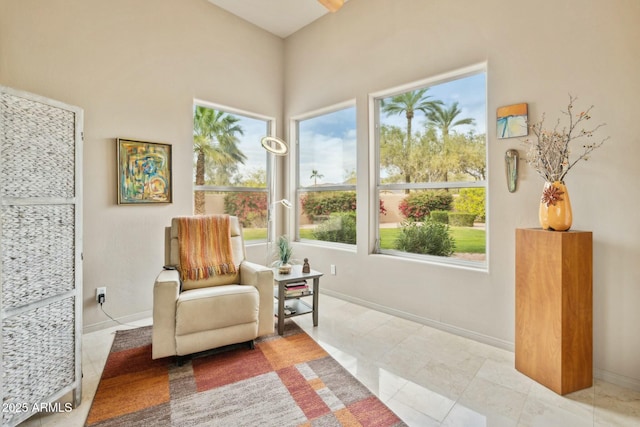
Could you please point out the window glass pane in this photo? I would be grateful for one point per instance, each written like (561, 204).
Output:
(327, 177)
(447, 126)
(227, 150)
(443, 222)
(327, 145)
(249, 207)
(432, 172)
(328, 216)
(227, 153)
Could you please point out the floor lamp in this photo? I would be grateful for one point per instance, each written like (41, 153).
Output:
(275, 147)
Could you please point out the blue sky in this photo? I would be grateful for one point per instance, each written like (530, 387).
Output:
(328, 142)
(254, 131)
(328, 145)
(469, 92)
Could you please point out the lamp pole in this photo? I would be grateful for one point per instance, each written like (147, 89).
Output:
(275, 147)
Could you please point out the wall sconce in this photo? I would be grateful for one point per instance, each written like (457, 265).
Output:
(511, 169)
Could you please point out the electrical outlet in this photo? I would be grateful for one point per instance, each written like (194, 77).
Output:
(333, 269)
(101, 295)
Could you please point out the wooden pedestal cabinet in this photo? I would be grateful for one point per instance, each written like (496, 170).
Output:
(554, 298)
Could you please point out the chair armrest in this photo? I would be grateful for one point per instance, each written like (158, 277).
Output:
(165, 294)
(262, 278)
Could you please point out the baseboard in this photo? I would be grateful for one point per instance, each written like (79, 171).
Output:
(617, 379)
(600, 374)
(485, 339)
(116, 321)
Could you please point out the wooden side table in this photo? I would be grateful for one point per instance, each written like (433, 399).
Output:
(554, 298)
(295, 305)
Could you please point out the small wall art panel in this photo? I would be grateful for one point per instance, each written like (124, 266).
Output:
(512, 121)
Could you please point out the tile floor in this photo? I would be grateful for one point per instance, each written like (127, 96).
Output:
(428, 377)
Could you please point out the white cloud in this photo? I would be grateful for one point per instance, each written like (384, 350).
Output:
(328, 145)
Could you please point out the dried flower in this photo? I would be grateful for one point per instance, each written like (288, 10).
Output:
(551, 195)
(549, 153)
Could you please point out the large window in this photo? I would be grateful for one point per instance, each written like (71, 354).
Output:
(326, 176)
(431, 151)
(230, 166)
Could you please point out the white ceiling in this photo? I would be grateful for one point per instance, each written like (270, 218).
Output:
(280, 17)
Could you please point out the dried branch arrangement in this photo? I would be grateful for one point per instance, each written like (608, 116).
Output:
(549, 154)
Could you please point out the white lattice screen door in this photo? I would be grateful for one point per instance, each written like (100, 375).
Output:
(41, 260)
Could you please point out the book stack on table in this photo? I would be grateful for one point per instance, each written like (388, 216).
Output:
(296, 289)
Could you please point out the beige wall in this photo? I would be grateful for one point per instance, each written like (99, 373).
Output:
(536, 52)
(135, 67)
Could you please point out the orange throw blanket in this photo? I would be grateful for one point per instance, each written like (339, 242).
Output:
(205, 247)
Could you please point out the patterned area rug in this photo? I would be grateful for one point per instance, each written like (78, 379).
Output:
(284, 381)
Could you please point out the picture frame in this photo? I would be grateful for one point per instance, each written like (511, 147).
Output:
(144, 172)
(512, 121)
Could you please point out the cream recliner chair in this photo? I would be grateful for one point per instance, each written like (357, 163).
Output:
(213, 312)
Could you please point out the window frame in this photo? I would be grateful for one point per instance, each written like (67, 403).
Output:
(269, 166)
(295, 171)
(376, 187)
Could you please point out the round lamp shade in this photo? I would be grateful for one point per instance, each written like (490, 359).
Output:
(274, 145)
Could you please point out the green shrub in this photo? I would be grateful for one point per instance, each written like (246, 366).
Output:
(440, 216)
(250, 208)
(418, 206)
(322, 204)
(461, 219)
(472, 200)
(340, 227)
(428, 238)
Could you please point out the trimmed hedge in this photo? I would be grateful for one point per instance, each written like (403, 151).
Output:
(461, 219)
(418, 206)
(440, 216)
(472, 200)
(325, 203)
(322, 204)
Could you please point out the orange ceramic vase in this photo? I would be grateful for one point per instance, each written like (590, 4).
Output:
(555, 207)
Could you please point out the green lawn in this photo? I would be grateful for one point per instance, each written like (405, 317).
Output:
(255, 234)
(306, 233)
(261, 234)
(468, 240)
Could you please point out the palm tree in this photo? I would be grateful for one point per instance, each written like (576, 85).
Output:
(408, 103)
(316, 176)
(215, 143)
(445, 118)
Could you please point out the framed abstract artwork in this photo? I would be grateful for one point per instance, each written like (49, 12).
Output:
(144, 172)
(512, 121)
